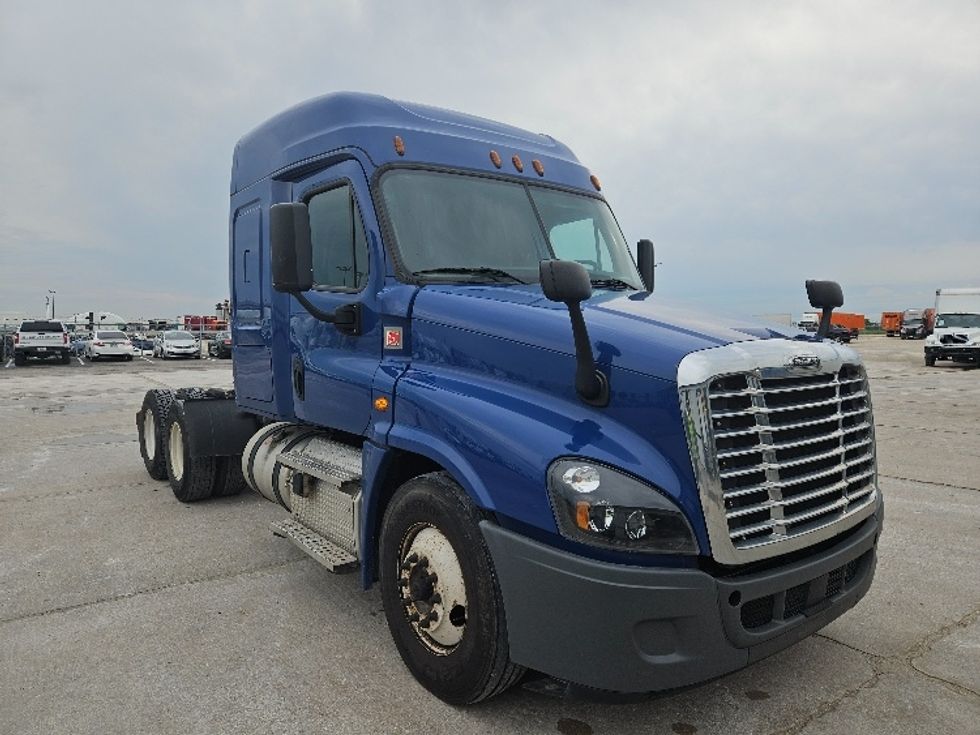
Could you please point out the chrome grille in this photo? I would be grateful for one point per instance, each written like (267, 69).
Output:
(784, 457)
(791, 451)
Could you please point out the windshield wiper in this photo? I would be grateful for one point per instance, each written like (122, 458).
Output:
(617, 284)
(495, 274)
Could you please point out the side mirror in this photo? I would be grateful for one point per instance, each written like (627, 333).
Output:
(565, 281)
(826, 296)
(568, 282)
(291, 247)
(646, 263)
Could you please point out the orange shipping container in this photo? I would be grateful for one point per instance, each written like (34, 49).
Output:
(848, 320)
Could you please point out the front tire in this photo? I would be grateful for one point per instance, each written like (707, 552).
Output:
(930, 361)
(440, 592)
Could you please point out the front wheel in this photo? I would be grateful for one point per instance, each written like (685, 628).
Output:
(930, 360)
(440, 593)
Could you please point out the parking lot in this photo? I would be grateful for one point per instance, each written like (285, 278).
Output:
(124, 611)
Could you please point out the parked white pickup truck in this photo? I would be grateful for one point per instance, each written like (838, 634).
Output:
(41, 339)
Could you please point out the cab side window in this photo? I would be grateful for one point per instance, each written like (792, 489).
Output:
(340, 258)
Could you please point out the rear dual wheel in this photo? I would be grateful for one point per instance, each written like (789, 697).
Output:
(197, 478)
(151, 424)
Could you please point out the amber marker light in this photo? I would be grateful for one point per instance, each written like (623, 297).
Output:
(595, 182)
(538, 167)
(399, 145)
(381, 404)
(582, 515)
(518, 163)
(495, 159)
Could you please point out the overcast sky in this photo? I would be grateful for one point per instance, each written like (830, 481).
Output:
(757, 144)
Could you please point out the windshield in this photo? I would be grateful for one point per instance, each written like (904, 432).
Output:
(913, 322)
(958, 320)
(178, 335)
(458, 227)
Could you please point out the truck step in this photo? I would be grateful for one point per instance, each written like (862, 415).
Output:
(330, 555)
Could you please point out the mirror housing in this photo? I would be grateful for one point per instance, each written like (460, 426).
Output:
(291, 248)
(824, 294)
(568, 282)
(565, 281)
(646, 263)
(827, 296)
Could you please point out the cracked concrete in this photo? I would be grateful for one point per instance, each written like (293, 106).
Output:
(124, 611)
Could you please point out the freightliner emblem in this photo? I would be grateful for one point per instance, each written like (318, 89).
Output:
(811, 362)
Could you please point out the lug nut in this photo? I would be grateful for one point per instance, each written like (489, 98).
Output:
(413, 617)
(435, 599)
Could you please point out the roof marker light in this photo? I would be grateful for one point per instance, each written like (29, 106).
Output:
(595, 182)
(399, 145)
(538, 167)
(518, 163)
(495, 159)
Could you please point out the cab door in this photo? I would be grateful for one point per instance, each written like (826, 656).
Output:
(333, 369)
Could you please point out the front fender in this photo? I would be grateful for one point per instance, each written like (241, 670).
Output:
(497, 438)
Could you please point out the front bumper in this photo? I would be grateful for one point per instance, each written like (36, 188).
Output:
(949, 352)
(640, 629)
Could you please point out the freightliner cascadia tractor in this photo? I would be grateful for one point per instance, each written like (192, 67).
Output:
(455, 379)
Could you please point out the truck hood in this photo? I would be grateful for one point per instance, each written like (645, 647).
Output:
(630, 330)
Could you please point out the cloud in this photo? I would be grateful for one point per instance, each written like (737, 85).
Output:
(754, 142)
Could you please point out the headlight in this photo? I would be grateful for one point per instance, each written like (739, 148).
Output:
(600, 506)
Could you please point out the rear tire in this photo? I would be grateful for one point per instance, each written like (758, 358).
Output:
(462, 656)
(20, 359)
(151, 422)
(191, 478)
(228, 479)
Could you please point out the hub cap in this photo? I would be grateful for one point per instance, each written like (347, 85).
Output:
(176, 451)
(432, 590)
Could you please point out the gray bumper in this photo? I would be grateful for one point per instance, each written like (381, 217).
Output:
(639, 629)
(958, 354)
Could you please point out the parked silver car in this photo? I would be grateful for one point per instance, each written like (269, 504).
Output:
(109, 343)
(176, 344)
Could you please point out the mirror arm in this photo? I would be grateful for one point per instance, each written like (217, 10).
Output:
(346, 318)
(590, 382)
(824, 329)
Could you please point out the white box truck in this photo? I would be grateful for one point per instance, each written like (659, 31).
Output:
(956, 335)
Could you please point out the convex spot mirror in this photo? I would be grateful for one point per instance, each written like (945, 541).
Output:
(565, 281)
(291, 247)
(824, 294)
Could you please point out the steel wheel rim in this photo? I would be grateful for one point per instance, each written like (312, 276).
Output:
(176, 451)
(431, 588)
(149, 434)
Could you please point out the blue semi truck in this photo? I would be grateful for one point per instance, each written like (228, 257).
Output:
(453, 375)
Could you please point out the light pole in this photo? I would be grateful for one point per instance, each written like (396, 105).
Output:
(52, 301)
